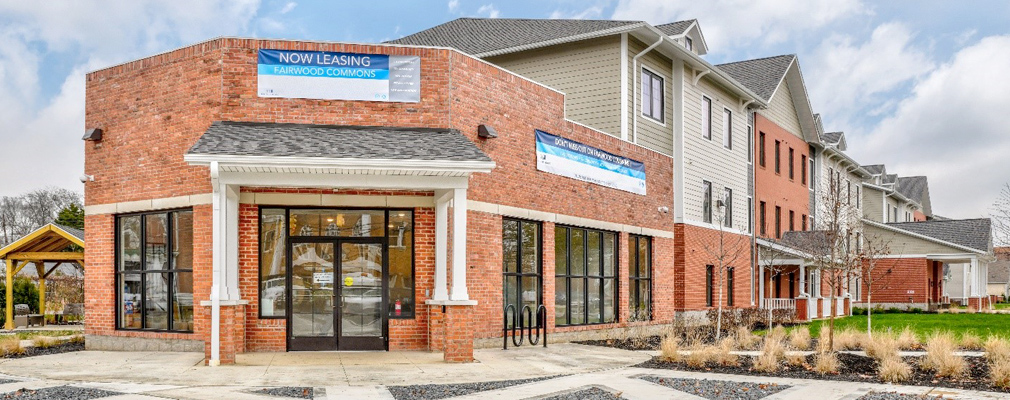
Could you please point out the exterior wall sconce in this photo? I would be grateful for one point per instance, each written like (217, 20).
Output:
(93, 135)
(486, 132)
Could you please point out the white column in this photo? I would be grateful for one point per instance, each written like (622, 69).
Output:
(441, 244)
(803, 279)
(974, 275)
(761, 286)
(459, 245)
(218, 201)
(230, 291)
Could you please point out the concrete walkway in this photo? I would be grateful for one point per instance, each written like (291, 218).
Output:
(365, 375)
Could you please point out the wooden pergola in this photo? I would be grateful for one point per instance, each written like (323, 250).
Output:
(48, 244)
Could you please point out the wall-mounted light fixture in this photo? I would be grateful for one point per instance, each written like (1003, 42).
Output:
(93, 135)
(486, 132)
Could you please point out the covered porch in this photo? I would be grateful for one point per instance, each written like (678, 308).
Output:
(787, 280)
(47, 248)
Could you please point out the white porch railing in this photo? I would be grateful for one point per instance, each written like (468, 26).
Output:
(825, 307)
(812, 308)
(839, 306)
(778, 304)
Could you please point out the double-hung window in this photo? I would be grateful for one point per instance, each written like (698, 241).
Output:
(639, 278)
(727, 199)
(761, 149)
(729, 285)
(521, 269)
(585, 264)
(778, 222)
(803, 169)
(706, 117)
(154, 271)
(652, 95)
(727, 128)
(778, 157)
(709, 283)
(706, 203)
(791, 163)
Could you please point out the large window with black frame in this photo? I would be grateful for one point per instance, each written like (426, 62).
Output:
(154, 271)
(639, 278)
(521, 267)
(585, 265)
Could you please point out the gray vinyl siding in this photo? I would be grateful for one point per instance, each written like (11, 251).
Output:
(588, 72)
(651, 134)
(706, 159)
(900, 244)
(782, 112)
(872, 204)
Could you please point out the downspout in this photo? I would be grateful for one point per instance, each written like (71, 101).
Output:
(215, 292)
(635, 75)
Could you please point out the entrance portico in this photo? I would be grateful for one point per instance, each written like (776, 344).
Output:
(241, 155)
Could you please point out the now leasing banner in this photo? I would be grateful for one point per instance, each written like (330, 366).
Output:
(575, 160)
(339, 76)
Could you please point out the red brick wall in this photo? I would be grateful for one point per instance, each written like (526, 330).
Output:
(906, 274)
(777, 189)
(692, 258)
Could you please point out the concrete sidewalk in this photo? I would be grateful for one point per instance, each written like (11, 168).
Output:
(365, 375)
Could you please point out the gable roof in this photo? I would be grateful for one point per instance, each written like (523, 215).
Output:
(762, 76)
(889, 179)
(336, 142)
(875, 169)
(999, 271)
(835, 138)
(676, 28)
(912, 187)
(479, 36)
(50, 238)
(971, 233)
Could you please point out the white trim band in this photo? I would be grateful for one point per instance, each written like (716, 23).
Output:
(563, 219)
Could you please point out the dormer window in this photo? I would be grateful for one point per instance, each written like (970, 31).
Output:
(688, 43)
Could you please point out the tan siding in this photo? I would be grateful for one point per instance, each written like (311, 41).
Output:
(651, 133)
(707, 159)
(588, 72)
(872, 204)
(782, 112)
(900, 244)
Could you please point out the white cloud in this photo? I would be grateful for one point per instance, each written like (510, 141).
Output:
(288, 7)
(453, 5)
(47, 131)
(848, 79)
(593, 12)
(488, 10)
(952, 129)
(729, 23)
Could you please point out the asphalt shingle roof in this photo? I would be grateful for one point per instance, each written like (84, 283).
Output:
(973, 233)
(889, 178)
(333, 141)
(913, 187)
(762, 75)
(999, 271)
(874, 169)
(832, 137)
(77, 233)
(483, 35)
(675, 28)
(811, 242)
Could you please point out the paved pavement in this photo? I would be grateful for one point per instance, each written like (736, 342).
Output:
(364, 375)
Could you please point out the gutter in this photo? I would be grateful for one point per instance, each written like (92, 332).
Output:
(339, 163)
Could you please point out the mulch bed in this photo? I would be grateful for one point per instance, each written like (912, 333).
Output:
(854, 368)
(57, 349)
(297, 392)
(442, 391)
(58, 393)
(593, 393)
(719, 390)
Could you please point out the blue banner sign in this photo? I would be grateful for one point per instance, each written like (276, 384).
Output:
(338, 76)
(575, 160)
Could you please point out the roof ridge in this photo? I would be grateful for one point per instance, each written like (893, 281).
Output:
(757, 59)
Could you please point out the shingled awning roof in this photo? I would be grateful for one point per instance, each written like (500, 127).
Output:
(971, 233)
(479, 36)
(762, 76)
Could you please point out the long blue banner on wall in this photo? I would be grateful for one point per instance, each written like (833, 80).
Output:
(575, 160)
(338, 76)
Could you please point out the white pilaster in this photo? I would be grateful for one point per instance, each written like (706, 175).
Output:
(803, 280)
(441, 244)
(761, 286)
(230, 291)
(459, 246)
(217, 263)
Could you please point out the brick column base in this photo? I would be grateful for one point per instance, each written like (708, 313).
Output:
(436, 328)
(458, 347)
(976, 303)
(232, 333)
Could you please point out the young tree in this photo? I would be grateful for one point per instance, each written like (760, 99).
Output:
(768, 259)
(874, 275)
(726, 250)
(1000, 214)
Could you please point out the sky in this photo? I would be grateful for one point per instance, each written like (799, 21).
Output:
(920, 86)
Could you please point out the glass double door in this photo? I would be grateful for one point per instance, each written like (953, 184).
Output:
(337, 292)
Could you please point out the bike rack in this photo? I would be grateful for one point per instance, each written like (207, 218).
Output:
(520, 331)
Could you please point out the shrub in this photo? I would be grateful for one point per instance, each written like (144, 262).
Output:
(881, 347)
(940, 356)
(969, 340)
(25, 292)
(999, 373)
(858, 311)
(915, 310)
(799, 338)
(745, 339)
(724, 356)
(893, 370)
(996, 348)
(11, 345)
(826, 363)
(907, 339)
(893, 310)
(669, 348)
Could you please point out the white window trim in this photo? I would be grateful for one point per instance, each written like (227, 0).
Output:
(711, 202)
(710, 105)
(730, 147)
(641, 99)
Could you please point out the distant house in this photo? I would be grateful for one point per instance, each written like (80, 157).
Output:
(999, 278)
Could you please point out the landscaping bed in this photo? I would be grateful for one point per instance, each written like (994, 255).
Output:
(852, 367)
(44, 351)
(442, 391)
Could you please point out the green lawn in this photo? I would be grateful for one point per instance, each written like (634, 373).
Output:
(1001, 306)
(982, 325)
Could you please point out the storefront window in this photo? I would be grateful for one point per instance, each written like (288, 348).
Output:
(401, 264)
(521, 266)
(273, 262)
(338, 223)
(155, 271)
(586, 292)
(639, 278)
